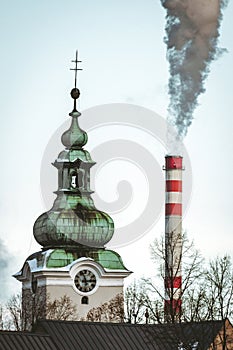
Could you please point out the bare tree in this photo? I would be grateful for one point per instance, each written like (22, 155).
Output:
(33, 307)
(155, 309)
(194, 303)
(219, 283)
(21, 317)
(14, 307)
(135, 302)
(207, 291)
(149, 293)
(61, 309)
(192, 271)
(219, 280)
(111, 311)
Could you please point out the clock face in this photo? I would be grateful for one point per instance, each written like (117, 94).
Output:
(85, 281)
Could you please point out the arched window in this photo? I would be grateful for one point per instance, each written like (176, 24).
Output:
(33, 284)
(84, 300)
(80, 178)
(73, 179)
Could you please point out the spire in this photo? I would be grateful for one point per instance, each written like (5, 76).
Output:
(73, 220)
(74, 137)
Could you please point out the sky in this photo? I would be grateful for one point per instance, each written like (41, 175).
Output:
(124, 63)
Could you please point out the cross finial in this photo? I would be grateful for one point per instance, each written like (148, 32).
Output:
(76, 61)
(75, 93)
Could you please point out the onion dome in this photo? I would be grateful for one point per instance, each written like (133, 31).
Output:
(74, 137)
(73, 220)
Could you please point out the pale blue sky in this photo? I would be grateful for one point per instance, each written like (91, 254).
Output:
(124, 60)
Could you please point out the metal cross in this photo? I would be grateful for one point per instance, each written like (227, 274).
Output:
(76, 67)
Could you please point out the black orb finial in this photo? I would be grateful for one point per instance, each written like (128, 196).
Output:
(75, 93)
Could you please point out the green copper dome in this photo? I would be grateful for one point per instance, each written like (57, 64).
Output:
(73, 220)
(74, 137)
(82, 225)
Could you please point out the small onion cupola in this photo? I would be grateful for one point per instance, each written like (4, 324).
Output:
(73, 220)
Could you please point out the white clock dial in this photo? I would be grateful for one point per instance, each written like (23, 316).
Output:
(85, 281)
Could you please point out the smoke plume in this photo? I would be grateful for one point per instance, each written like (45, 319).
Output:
(192, 31)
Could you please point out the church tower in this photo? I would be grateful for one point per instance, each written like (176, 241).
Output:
(73, 261)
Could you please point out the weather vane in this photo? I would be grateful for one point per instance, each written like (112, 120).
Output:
(76, 61)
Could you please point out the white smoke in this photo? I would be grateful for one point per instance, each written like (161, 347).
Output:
(192, 32)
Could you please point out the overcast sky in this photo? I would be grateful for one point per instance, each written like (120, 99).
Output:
(124, 61)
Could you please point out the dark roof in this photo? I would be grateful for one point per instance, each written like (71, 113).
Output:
(25, 341)
(75, 335)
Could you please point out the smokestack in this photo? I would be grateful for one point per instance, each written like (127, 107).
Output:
(173, 238)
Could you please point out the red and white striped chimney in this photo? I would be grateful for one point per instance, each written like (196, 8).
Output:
(173, 238)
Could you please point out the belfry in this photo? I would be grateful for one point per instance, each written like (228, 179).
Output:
(73, 260)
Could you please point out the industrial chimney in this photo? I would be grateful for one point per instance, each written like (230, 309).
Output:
(173, 238)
